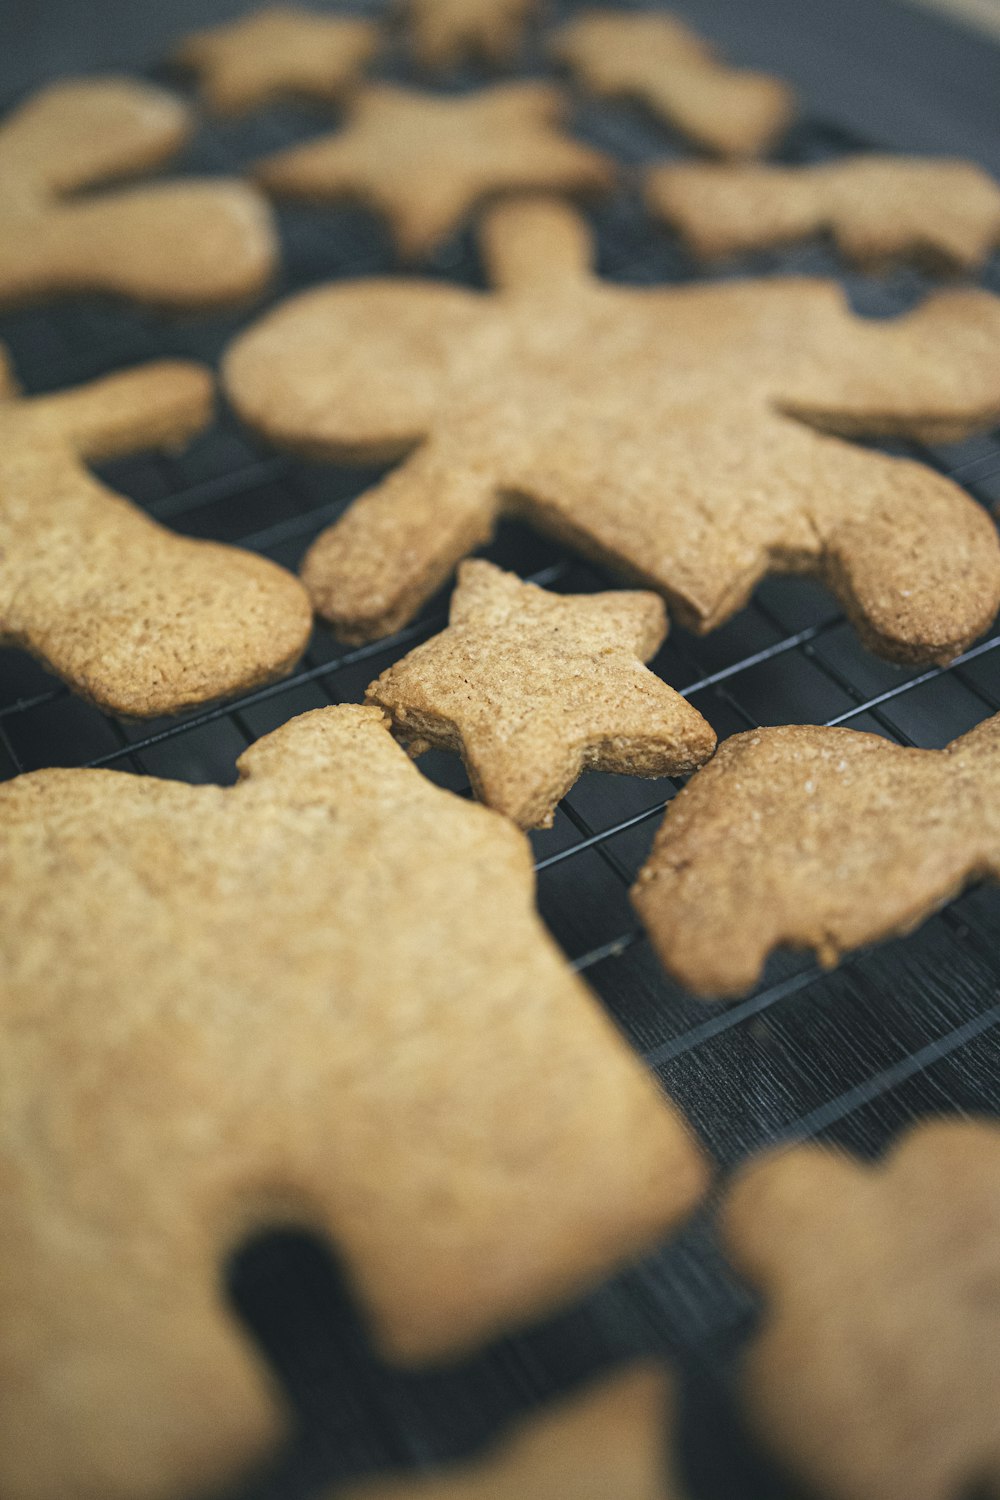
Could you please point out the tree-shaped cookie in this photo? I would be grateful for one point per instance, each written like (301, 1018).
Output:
(447, 32)
(875, 1370)
(137, 619)
(655, 58)
(322, 996)
(816, 838)
(190, 243)
(532, 688)
(282, 50)
(940, 211)
(426, 161)
(608, 1443)
(672, 432)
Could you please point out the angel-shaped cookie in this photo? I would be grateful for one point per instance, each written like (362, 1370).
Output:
(324, 997)
(191, 243)
(138, 620)
(447, 32)
(816, 838)
(683, 435)
(875, 1370)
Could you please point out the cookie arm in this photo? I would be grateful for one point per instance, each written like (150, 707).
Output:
(155, 405)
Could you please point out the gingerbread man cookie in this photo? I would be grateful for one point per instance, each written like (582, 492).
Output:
(194, 243)
(283, 50)
(817, 838)
(447, 32)
(226, 1008)
(875, 1371)
(942, 212)
(138, 620)
(532, 688)
(673, 433)
(655, 58)
(608, 1443)
(427, 160)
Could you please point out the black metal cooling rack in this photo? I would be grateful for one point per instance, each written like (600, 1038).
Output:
(898, 1032)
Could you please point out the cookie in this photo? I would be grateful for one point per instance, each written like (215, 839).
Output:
(426, 161)
(656, 59)
(226, 1008)
(533, 688)
(138, 620)
(815, 838)
(607, 1443)
(875, 1369)
(942, 212)
(189, 244)
(669, 432)
(278, 52)
(445, 33)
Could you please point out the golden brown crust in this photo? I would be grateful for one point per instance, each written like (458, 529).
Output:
(426, 161)
(607, 1443)
(669, 432)
(228, 1007)
(533, 688)
(276, 52)
(138, 620)
(816, 838)
(445, 33)
(658, 60)
(185, 244)
(875, 1370)
(941, 212)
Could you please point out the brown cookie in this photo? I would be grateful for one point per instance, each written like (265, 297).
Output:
(607, 1443)
(426, 161)
(226, 1008)
(448, 32)
(138, 620)
(533, 688)
(182, 244)
(670, 432)
(875, 1373)
(942, 212)
(815, 838)
(655, 58)
(281, 51)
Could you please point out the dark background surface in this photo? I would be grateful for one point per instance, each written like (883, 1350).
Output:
(896, 1033)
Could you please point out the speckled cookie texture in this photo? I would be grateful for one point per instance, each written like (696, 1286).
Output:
(607, 1443)
(655, 58)
(941, 212)
(426, 161)
(320, 997)
(816, 838)
(278, 52)
(444, 33)
(192, 243)
(532, 688)
(875, 1369)
(672, 433)
(138, 620)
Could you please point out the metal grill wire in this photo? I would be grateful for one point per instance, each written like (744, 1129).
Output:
(896, 1033)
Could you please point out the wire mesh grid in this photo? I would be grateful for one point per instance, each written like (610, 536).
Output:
(897, 1032)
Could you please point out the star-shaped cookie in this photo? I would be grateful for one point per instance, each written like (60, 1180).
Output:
(283, 50)
(446, 32)
(426, 160)
(532, 688)
(682, 434)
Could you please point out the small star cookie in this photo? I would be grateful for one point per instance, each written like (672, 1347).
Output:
(654, 57)
(878, 208)
(447, 32)
(532, 688)
(608, 1443)
(875, 1371)
(283, 50)
(193, 243)
(427, 160)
